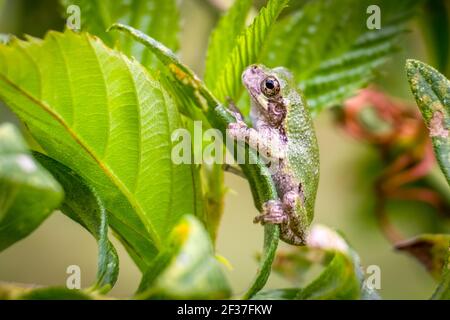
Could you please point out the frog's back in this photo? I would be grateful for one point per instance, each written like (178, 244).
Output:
(303, 156)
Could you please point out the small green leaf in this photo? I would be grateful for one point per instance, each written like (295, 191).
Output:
(4, 38)
(432, 93)
(277, 294)
(430, 250)
(224, 38)
(248, 50)
(342, 276)
(322, 29)
(83, 205)
(187, 269)
(28, 193)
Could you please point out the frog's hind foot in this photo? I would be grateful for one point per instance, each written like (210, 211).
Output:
(288, 236)
(272, 213)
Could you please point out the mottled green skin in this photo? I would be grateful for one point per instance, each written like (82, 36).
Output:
(303, 152)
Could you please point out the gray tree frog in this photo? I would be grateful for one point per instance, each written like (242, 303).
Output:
(283, 133)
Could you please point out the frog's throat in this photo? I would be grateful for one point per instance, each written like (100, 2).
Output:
(261, 102)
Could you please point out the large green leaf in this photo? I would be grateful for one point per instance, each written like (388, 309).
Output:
(330, 50)
(187, 269)
(105, 117)
(256, 171)
(248, 50)
(28, 193)
(84, 206)
(224, 38)
(432, 93)
(158, 18)
(443, 290)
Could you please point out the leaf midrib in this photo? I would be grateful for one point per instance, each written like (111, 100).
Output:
(107, 171)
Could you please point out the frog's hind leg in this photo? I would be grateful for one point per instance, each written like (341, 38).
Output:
(272, 212)
(292, 203)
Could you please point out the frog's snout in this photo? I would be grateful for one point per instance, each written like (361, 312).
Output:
(252, 69)
(252, 75)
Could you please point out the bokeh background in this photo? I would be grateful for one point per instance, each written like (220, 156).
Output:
(344, 197)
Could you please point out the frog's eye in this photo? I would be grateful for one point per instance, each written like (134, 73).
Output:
(270, 86)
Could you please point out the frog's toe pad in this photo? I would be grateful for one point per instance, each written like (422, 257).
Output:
(272, 213)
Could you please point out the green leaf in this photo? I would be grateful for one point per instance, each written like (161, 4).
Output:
(105, 117)
(16, 292)
(187, 269)
(83, 205)
(294, 265)
(248, 50)
(28, 193)
(330, 50)
(435, 26)
(55, 293)
(224, 38)
(4, 38)
(432, 93)
(96, 16)
(430, 250)
(336, 282)
(158, 18)
(341, 278)
(256, 171)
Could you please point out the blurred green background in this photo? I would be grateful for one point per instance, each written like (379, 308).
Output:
(344, 199)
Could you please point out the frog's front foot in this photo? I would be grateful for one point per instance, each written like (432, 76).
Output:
(272, 213)
(235, 128)
(239, 131)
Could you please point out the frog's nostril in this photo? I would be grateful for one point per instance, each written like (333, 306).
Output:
(253, 68)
